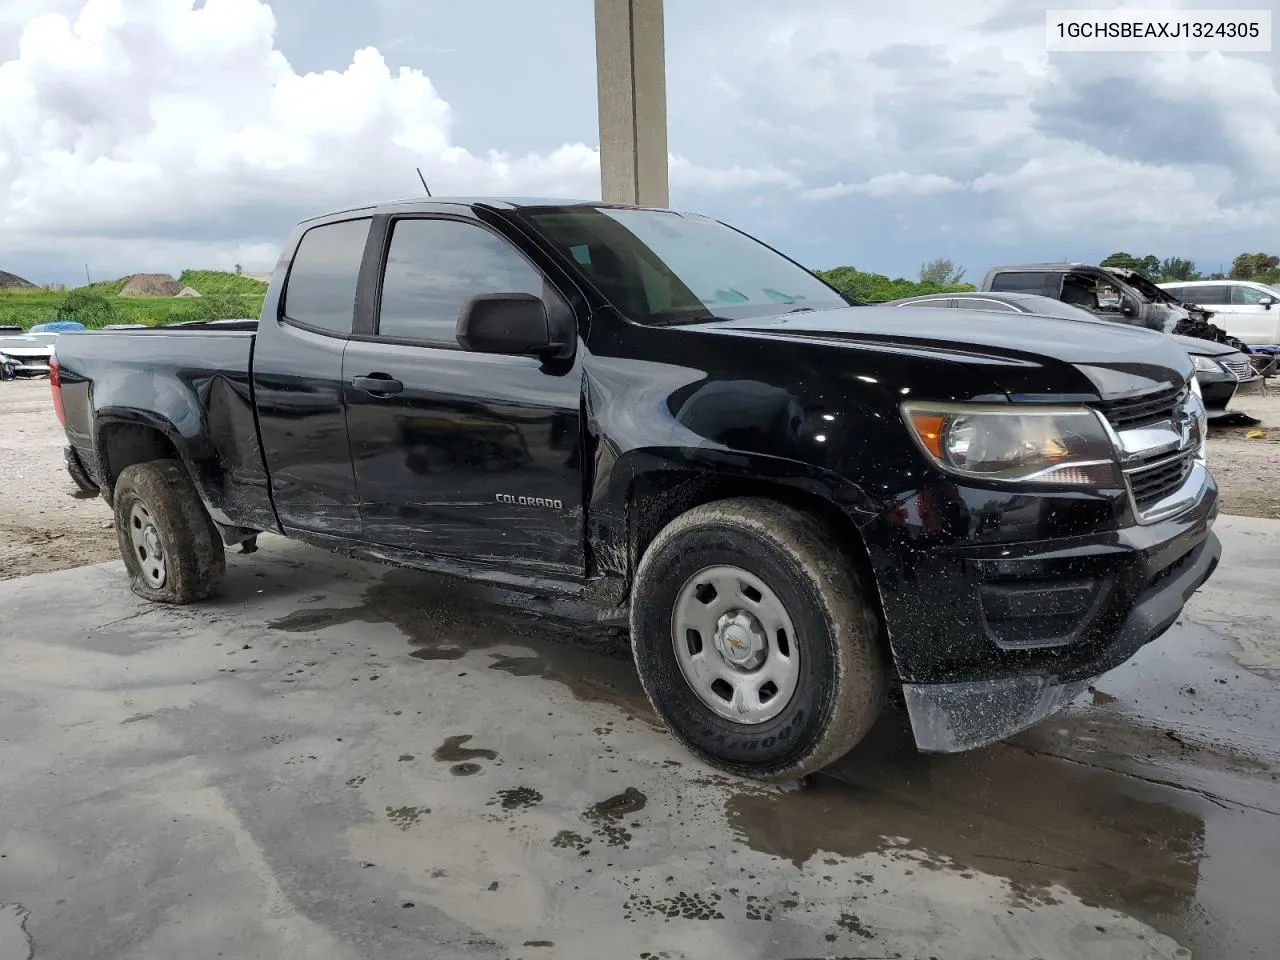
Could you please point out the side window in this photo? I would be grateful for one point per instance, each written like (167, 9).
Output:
(436, 266)
(928, 303)
(321, 292)
(1082, 290)
(982, 303)
(1209, 296)
(1178, 293)
(1248, 296)
(1018, 282)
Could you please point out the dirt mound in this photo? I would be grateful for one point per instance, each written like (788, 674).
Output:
(150, 285)
(9, 281)
(188, 292)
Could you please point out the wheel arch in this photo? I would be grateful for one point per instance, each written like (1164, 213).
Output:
(669, 487)
(125, 438)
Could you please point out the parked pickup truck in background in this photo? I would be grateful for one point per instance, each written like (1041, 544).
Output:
(807, 507)
(1110, 293)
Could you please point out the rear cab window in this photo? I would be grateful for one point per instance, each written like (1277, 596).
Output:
(320, 294)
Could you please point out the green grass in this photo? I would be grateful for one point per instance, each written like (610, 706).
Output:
(223, 295)
(207, 282)
(29, 308)
(108, 288)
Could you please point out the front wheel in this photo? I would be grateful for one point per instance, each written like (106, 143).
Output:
(754, 640)
(169, 544)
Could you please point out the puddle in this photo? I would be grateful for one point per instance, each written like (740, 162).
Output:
(453, 751)
(444, 620)
(608, 815)
(1040, 823)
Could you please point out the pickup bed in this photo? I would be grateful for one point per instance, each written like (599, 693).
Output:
(806, 508)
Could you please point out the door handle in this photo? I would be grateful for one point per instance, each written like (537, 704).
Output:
(378, 384)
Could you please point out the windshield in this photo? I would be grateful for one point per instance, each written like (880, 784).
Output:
(1146, 288)
(657, 266)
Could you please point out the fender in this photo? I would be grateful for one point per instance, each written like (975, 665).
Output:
(645, 488)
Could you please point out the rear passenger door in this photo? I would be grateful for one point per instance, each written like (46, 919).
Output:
(460, 454)
(1216, 298)
(297, 382)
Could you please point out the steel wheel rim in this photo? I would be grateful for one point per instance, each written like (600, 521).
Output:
(147, 547)
(735, 644)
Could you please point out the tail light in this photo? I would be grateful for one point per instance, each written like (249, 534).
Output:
(55, 385)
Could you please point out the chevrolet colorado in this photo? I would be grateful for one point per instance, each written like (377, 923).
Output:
(805, 506)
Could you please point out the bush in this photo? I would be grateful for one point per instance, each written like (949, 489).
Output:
(87, 306)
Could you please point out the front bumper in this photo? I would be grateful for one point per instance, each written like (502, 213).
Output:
(988, 639)
(951, 717)
(1217, 391)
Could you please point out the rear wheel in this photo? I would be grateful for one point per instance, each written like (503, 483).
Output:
(755, 641)
(169, 544)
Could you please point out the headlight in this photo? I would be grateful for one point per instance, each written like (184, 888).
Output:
(1195, 388)
(1066, 446)
(1205, 365)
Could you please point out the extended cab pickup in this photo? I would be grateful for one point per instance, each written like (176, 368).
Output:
(806, 506)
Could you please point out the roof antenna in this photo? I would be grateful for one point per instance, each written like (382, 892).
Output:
(424, 181)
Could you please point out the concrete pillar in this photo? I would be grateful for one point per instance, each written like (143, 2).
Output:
(631, 79)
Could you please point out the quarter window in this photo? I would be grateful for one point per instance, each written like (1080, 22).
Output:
(321, 292)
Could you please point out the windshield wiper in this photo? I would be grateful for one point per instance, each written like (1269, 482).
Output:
(681, 321)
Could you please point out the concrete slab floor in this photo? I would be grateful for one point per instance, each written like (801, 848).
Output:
(347, 761)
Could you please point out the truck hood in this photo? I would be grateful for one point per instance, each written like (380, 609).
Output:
(1036, 355)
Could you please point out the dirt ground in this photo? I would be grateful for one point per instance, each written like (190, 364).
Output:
(44, 526)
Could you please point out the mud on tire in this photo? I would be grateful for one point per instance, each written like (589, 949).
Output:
(170, 546)
(840, 682)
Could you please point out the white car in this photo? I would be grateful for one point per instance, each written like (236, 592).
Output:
(24, 355)
(1246, 309)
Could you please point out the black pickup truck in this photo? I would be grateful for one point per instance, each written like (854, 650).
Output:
(808, 508)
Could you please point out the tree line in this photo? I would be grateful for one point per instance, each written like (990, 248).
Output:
(943, 276)
(1262, 267)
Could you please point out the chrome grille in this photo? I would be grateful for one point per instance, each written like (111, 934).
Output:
(1152, 483)
(1145, 410)
(1239, 364)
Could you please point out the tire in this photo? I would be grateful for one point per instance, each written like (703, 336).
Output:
(79, 476)
(156, 504)
(836, 669)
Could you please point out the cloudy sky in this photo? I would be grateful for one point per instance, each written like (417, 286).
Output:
(141, 135)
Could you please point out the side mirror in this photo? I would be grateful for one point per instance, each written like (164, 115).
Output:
(1267, 301)
(507, 323)
(1128, 307)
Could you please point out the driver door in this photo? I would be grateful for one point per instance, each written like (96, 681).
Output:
(1248, 318)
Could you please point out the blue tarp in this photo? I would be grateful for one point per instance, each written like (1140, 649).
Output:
(58, 326)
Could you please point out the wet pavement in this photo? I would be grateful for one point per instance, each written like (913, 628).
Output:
(346, 761)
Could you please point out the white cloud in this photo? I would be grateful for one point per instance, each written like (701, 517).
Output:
(146, 119)
(888, 185)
